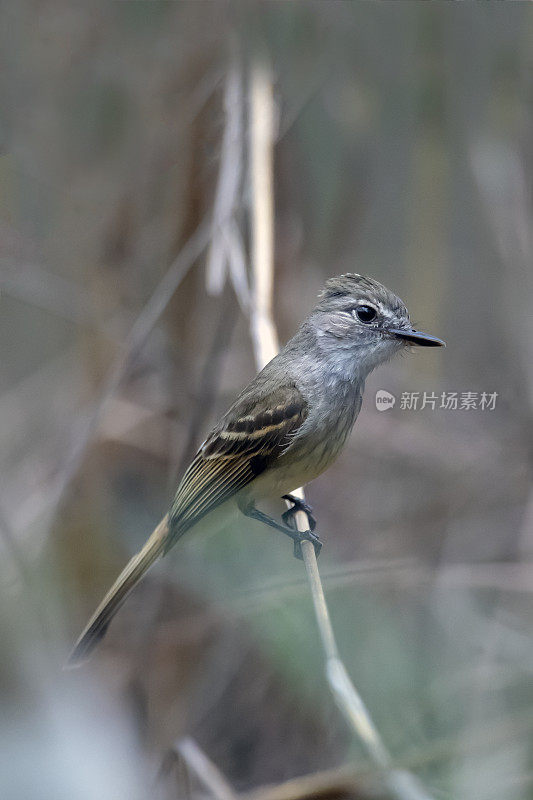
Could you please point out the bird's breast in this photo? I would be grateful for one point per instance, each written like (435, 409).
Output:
(315, 447)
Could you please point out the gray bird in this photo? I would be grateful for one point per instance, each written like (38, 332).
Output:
(285, 428)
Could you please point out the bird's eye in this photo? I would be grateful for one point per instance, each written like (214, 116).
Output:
(365, 313)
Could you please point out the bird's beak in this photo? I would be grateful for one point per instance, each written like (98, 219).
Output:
(417, 337)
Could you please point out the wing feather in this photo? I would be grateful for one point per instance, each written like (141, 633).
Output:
(248, 439)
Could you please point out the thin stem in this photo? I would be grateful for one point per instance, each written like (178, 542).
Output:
(402, 785)
(205, 771)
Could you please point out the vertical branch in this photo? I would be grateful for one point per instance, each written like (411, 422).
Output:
(262, 114)
(402, 785)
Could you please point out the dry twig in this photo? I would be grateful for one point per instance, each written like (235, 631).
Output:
(198, 766)
(402, 785)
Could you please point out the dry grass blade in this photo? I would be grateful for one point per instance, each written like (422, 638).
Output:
(402, 785)
(199, 769)
(226, 253)
(347, 779)
(140, 331)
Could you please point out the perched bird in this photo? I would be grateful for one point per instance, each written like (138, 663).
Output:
(285, 428)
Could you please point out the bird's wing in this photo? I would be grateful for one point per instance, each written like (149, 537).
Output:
(251, 435)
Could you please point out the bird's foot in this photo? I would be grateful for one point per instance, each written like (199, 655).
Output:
(306, 536)
(298, 505)
(297, 536)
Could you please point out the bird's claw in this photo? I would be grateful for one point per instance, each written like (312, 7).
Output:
(297, 505)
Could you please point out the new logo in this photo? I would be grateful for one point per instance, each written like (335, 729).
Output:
(384, 400)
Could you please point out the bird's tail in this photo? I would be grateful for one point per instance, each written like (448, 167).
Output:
(130, 575)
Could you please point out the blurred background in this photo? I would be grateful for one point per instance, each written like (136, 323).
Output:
(404, 150)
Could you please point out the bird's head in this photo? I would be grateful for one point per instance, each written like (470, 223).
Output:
(359, 318)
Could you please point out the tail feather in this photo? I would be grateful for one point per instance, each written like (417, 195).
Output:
(97, 626)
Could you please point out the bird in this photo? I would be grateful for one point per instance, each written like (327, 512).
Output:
(285, 428)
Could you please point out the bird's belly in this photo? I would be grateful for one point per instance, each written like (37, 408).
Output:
(293, 470)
